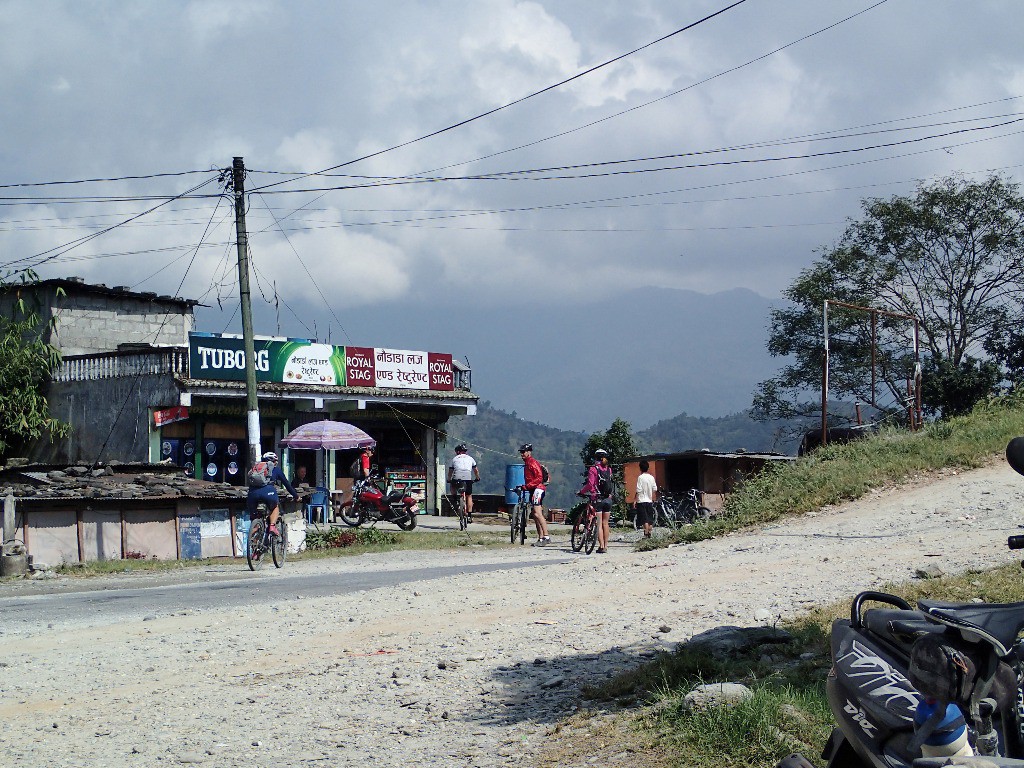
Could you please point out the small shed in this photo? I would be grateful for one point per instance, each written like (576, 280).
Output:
(75, 514)
(716, 474)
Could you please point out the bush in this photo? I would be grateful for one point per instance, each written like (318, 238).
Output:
(339, 538)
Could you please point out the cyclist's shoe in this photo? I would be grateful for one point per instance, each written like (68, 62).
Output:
(469, 518)
(274, 530)
(541, 542)
(601, 550)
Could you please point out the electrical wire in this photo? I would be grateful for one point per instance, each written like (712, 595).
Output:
(520, 100)
(49, 254)
(113, 178)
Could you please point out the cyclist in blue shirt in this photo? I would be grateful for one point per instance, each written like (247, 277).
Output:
(268, 492)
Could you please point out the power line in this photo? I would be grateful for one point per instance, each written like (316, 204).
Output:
(666, 96)
(461, 123)
(511, 175)
(49, 255)
(112, 178)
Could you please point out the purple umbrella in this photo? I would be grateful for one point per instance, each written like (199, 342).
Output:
(329, 435)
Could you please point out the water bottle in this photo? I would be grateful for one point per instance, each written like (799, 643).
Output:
(949, 739)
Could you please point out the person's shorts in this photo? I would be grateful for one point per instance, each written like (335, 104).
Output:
(537, 496)
(603, 505)
(645, 513)
(462, 486)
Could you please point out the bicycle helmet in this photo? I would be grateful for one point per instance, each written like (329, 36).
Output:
(270, 456)
(600, 452)
(525, 447)
(461, 448)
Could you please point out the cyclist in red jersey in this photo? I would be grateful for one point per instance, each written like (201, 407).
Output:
(534, 482)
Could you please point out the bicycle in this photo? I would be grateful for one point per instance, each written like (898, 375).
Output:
(520, 514)
(459, 486)
(260, 540)
(584, 529)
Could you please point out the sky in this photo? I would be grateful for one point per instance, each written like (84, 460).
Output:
(764, 154)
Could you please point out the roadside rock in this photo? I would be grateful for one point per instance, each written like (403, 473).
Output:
(716, 695)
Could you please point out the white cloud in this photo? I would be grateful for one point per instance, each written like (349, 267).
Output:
(211, 19)
(307, 150)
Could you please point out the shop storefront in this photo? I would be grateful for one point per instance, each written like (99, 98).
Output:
(186, 405)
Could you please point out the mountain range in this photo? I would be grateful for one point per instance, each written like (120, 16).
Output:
(642, 356)
(494, 436)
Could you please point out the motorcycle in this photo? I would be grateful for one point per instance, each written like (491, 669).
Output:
(371, 503)
(926, 685)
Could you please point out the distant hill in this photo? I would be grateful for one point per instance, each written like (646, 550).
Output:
(494, 437)
(726, 433)
(648, 353)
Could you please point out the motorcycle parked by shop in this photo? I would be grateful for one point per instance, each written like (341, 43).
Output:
(372, 503)
(921, 686)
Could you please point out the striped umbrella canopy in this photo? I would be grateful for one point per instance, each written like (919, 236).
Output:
(329, 435)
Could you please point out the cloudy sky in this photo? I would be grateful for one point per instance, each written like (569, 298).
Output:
(762, 153)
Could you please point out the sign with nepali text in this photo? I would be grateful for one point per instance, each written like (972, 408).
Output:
(290, 361)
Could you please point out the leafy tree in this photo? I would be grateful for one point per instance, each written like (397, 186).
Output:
(951, 255)
(620, 443)
(618, 440)
(953, 390)
(27, 361)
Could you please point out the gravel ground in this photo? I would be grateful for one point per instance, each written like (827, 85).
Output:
(469, 671)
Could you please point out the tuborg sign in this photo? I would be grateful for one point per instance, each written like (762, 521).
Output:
(297, 361)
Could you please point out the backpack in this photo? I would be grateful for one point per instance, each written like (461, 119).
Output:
(355, 471)
(605, 483)
(544, 474)
(259, 475)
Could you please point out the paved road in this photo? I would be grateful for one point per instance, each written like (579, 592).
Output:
(221, 587)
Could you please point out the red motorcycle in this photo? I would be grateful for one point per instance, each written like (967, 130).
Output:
(370, 503)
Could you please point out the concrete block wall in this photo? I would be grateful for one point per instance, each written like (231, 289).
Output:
(94, 323)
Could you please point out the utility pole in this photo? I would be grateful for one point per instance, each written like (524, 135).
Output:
(242, 238)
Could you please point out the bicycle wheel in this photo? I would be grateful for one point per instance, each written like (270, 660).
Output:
(463, 522)
(523, 515)
(254, 544)
(278, 545)
(590, 535)
(579, 529)
(513, 523)
(350, 514)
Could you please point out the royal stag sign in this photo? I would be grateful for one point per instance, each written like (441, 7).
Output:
(295, 361)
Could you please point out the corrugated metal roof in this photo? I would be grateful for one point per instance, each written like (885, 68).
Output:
(767, 456)
(291, 390)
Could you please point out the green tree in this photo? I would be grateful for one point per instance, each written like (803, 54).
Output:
(951, 255)
(953, 390)
(27, 361)
(620, 442)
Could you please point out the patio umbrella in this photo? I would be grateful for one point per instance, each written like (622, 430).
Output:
(329, 435)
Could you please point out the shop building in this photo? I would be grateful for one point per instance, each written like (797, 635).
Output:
(182, 399)
(715, 474)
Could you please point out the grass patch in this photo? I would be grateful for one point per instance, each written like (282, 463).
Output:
(838, 473)
(788, 711)
(360, 541)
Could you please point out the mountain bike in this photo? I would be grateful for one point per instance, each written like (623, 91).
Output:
(519, 515)
(584, 530)
(261, 540)
(459, 486)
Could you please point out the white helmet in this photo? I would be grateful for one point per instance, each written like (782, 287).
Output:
(270, 456)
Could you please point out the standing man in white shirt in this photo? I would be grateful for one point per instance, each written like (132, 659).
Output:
(462, 473)
(646, 490)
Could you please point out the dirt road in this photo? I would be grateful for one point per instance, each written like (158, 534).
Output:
(470, 670)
